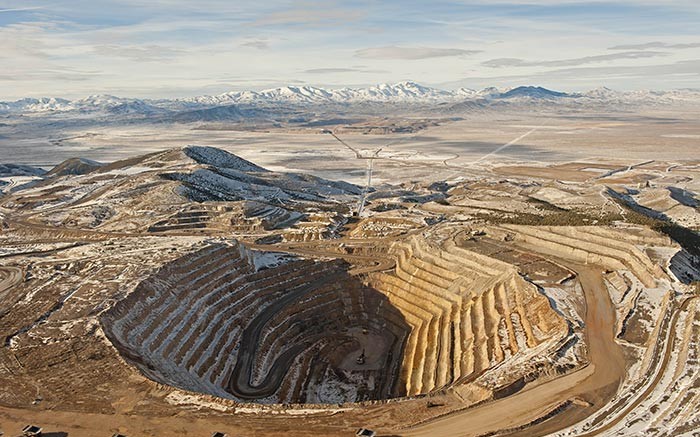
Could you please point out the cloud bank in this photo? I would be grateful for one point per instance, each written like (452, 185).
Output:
(411, 53)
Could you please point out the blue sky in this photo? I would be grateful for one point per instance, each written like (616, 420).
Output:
(170, 48)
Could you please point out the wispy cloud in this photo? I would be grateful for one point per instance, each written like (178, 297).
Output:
(148, 53)
(33, 8)
(411, 53)
(50, 75)
(259, 44)
(341, 70)
(515, 62)
(310, 14)
(657, 45)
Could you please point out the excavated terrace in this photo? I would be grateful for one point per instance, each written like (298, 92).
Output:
(223, 322)
(259, 327)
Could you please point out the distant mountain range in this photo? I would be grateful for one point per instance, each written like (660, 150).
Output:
(191, 109)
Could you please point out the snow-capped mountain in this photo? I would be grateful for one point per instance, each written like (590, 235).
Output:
(400, 92)
(406, 92)
(534, 92)
(44, 104)
(104, 103)
(602, 93)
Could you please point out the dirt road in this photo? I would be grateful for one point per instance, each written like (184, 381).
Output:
(240, 383)
(9, 277)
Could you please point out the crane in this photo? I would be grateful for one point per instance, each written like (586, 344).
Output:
(370, 165)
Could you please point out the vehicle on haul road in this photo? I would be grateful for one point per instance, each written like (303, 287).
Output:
(32, 431)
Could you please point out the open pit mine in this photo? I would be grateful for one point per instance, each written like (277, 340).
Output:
(190, 291)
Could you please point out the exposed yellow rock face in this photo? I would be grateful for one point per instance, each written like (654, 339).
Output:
(593, 245)
(467, 312)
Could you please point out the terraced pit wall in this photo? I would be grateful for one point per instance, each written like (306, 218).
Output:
(594, 245)
(467, 313)
(214, 323)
